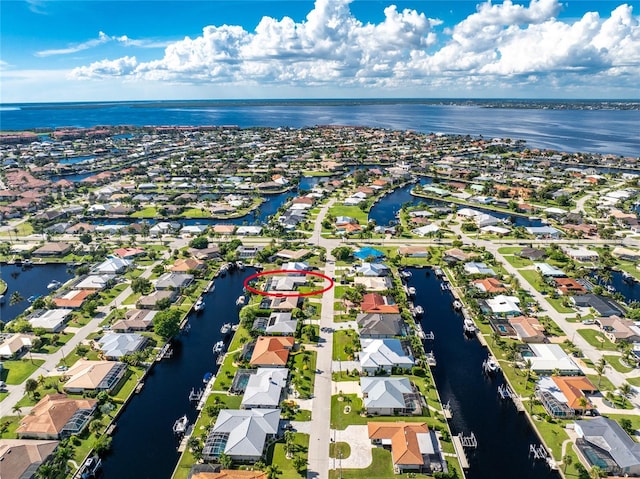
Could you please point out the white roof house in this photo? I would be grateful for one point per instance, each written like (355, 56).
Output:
(281, 323)
(95, 281)
(241, 433)
(503, 305)
(116, 345)
(113, 265)
(265, 388)
(249, 230)
(548, 270)
(49, 319)
(426, 230)
(581, 254)
(478, 268)
(374, 283)
(549, 358)
(486, 219)
(384, 395)
(383, 354)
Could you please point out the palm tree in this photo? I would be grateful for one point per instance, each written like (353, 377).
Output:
(17, 409)
(566, 461)
(625, 390)
(528, 365)
(600, 368)
(225, 460)
(596, 473)
(273, 471)
(15, 298)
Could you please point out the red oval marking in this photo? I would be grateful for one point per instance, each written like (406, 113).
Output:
(276, 294)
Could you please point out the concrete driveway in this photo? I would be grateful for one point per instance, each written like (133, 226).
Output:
(358, 439)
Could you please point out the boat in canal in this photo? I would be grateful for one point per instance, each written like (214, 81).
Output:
(218, 347)
(469, 326)
(457, 304)
(419, 310)
(199, 306)
(226, 328)
(54, 284)
(240, 301)
(181, 424)
(490, 365)
(207, 377)
(627, 277)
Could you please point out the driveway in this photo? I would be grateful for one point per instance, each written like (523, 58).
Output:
(358, 439)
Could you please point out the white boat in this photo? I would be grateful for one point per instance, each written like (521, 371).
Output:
(611, 289)
(405, 274)
(457, 304)
(419, 310)
(54, 284)
(469, 326)
(411, 291)
(199, 306)
(226, 327)
(627, 277)
(1, 298)
(490, 365)
(240, 265)
(180, 426)
(218, 347)
(240, 301)
(223, 269)
(235, 327)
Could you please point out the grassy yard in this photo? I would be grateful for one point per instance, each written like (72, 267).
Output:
(16, 371)
(148, 212)
(132, 298)
(196, 213)
(304, 362)
(517, 261)
(345, 343)
(509, 249)
(558, 306)
(351, 211)
(276, 455)
(597, 339)
(615, 363)
(533, 278)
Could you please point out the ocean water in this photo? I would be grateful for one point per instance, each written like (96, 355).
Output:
(569, 130)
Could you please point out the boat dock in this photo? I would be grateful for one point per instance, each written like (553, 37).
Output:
(459, 443)
(185, 439)
(165, 352)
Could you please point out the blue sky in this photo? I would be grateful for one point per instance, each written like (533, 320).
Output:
(137, 50)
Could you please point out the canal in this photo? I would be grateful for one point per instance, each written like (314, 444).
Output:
(144, 445)
(503, 434)
(28, 282)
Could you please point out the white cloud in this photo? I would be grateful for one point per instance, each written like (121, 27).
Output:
(102, 39)
(499, 44)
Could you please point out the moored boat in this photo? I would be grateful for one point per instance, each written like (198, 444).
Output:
(54, 284)
(419, 310)
(199, 306)
(240, 301)
(226, 327)
(490, 365)
(218, 347)
(180, 426)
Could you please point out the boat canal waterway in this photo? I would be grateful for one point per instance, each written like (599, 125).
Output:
(503, 435)
(144, 445)
(30, 282)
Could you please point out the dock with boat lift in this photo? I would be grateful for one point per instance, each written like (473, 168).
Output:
(459, 444)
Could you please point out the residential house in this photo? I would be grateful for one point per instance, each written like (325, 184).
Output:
(95, 282)
(135, 320)
(287, 302)
(53, 249)
(544, 232)
(292, 255)
(455, 255)
(87, 375)
(264, 388)
(414, 251)
(248, 252)
(150, 301)
(601, 304)
(625, 254)
(501, 305)
(373, 283)
(184, 265)
(51, 320)
(581, 254)
(282, 323)
(73, 299)
(528, 330)
(173, 281)
(380, 325)
(129, 253)
(249, 230)
(376, 303)
(390, 396)
(565, 396)
(619, 329)
(426, 230)
(14, 345)
(20, 458)
(472, 268)
(56, 416)
(272, 351)
(548, 270)
(373, 269)
(569, 286)
(241, 434)
(113, 265)
(550, 359)
(197, 473)
(533, 254)
(383, 355)
(414, 448)
(489, 285)
(603, 443)
(116, 345)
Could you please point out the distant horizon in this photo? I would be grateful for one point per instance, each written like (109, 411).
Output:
(335, 99)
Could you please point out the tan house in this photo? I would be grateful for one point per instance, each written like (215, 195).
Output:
(53, 249)
(19, 458)
(272, 351)
(87, 375)
(528, 330)
(184, 265)
(15, 345)
(56, 416)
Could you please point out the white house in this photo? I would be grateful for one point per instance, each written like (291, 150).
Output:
(384, 355)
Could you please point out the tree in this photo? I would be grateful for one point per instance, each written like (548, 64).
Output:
(342, 253)
(600, 368)
(199, 242)
(299, 463)
(528, 364)
(627, 425)
(17, 409)
(85, 238)
(625, 390)
(566, 461)
(30, 386)
(596, 473)
(140, 285)
(273, 471)
(102, 445)
(167, 323)
(15, 298)
(225, 460)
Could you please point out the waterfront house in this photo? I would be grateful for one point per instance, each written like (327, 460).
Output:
(14, 345)
(625, 254)
(292, 255)
(285, 283)
(426, 230)
(95, 282)
(271, 351)
(184, 265)
(73, 299)
(527, 329)
(382, 355)
(377, 325)
(223, 229)
(135, 320)
(376, 303)
(368, 254)
(550, 359)
(248, 252)
(414, 448)
(241, 434)
(249, 230)
(565, 396)
(57, 416)
(53, 249)
(113, 265)
(534, 254)
(489, 285)
(619, 329)
(87, 375)
(193, 230)
(601, 304)
(501, 305)
(297, 267)
(51, 320)
(20, 458)
(581, 254)
(455, 255)
(548, 270)
(569, 286)
(264, 388)
(414, 251)
(602, 442)
(150, 301)
(284, 303)
(373, 269)
(277, 323)
(173, 281)
(390, 396)
(374, 283)
(203, 471)
(116, 345)
(544, 232)
(476, 268)
(129, 253)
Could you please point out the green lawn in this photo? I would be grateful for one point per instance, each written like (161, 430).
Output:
(601, 382)
(132, 298)
(278, 456)
(517, 261)
(509, 249)
(351, 211)
(339, 449)
(16, 371)
(381, 466)
(533, 278)
(148, 212)
(597, 339)
(304, 363)
(558, 306)
(615, 363)
(345, 343)
(196, 213)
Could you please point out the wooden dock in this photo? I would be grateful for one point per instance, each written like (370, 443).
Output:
(460, 452)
